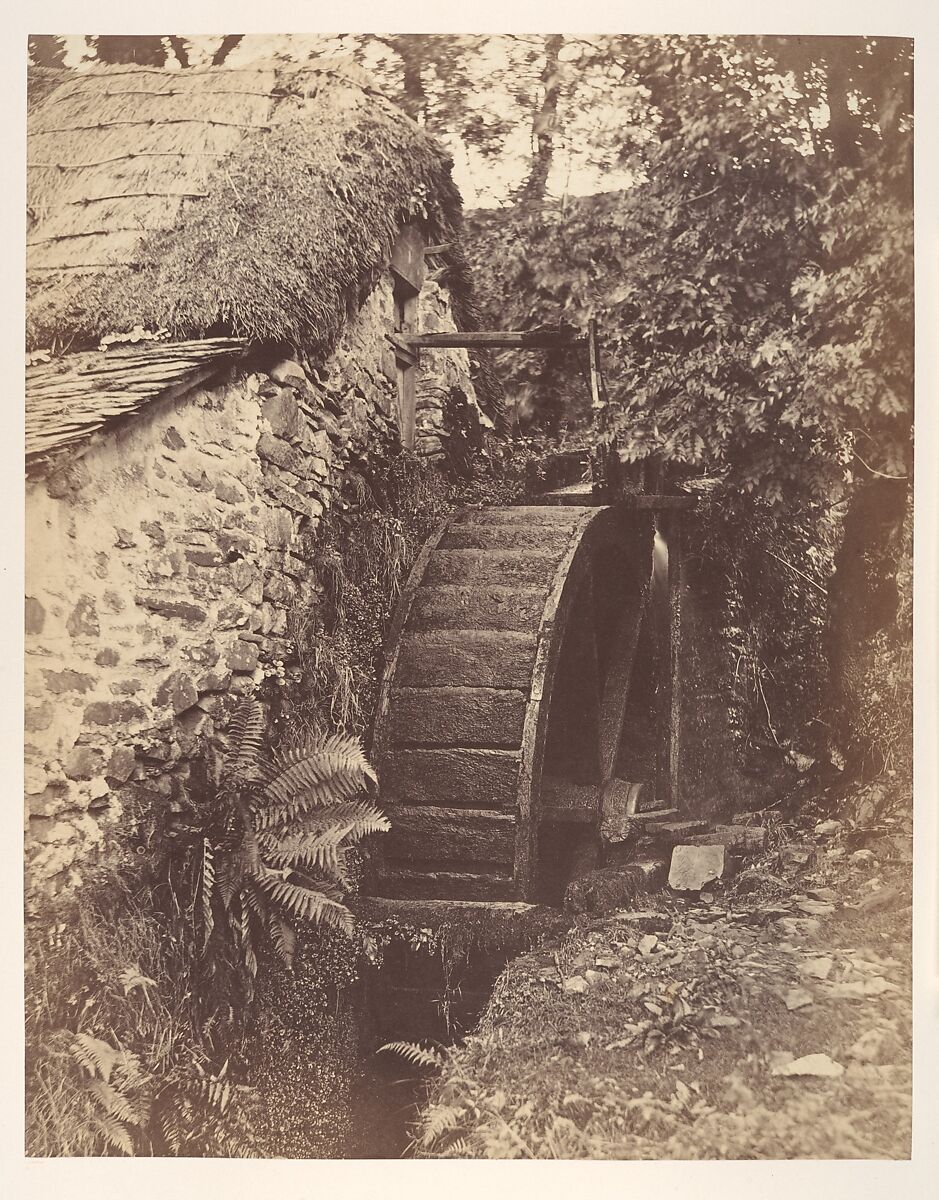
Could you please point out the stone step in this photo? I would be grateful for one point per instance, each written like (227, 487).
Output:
(742, 839)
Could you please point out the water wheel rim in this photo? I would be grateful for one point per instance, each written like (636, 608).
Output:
(576, 535)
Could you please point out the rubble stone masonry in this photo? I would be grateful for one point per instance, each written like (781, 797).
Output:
(164, 559)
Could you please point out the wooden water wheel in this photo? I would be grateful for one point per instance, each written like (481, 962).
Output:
(513, 688)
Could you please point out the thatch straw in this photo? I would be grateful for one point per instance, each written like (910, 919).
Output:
(220, 219)
(258, 203)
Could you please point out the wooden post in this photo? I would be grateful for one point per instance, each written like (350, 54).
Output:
(596, 396)
(671, 527)
(407, 269)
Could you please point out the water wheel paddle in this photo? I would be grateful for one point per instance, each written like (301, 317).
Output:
(507, 685)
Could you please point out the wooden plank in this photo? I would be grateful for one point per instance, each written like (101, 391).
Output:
(550, 635)
(525, 339)
(518, 514)
(559, 815)
(381, 906)
(443, 885)
(499, 566)
(407, 403)
(466, 658)
(671, 833)
(457, 835)
(451, 777)
(676, 570)
(619, 676)
(573, 494)
(550, 539)
(471, 717)
(594, 362)
(478, 606)
(407, 257)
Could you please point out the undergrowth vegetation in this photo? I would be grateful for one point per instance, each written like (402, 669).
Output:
(118, 1061)
(143, 1025)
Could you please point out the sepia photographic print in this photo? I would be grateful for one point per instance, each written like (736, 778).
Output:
(468, 600)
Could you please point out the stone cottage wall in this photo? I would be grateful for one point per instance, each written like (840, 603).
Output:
(164, 562)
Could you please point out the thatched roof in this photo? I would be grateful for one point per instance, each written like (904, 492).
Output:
(258, 202)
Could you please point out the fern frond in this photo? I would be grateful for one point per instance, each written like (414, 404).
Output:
(284, 940)
(429, 1057)
(458, 1148)
(114, 1134)
(243, 929)
(332, 889)
(303, 904)
(362, 815)
(114, 1103)
(308, 851)
(225, 882)
(286, 812)
(442, 1119)
(170, 1128)
(208, 887)
(96, 1056)
(336, 761)
(247, 741)
(127, 1069)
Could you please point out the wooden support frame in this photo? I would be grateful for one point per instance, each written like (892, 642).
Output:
(669, 523)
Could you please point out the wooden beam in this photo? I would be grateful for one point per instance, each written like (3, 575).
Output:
(655, 501)
(619, 677)
(583, 494)
(530, 339)
(404, 351)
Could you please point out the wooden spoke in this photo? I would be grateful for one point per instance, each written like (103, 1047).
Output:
(619, 676)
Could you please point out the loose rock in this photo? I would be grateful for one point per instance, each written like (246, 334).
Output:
(819, 1065)
(694, 866)
(816, 968)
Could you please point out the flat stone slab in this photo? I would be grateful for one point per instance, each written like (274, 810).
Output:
(694, 866)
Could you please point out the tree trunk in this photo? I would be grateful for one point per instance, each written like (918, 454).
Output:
(228, 43)
(180, 49)
(865, 603)
(844, 126)
(543, 124)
